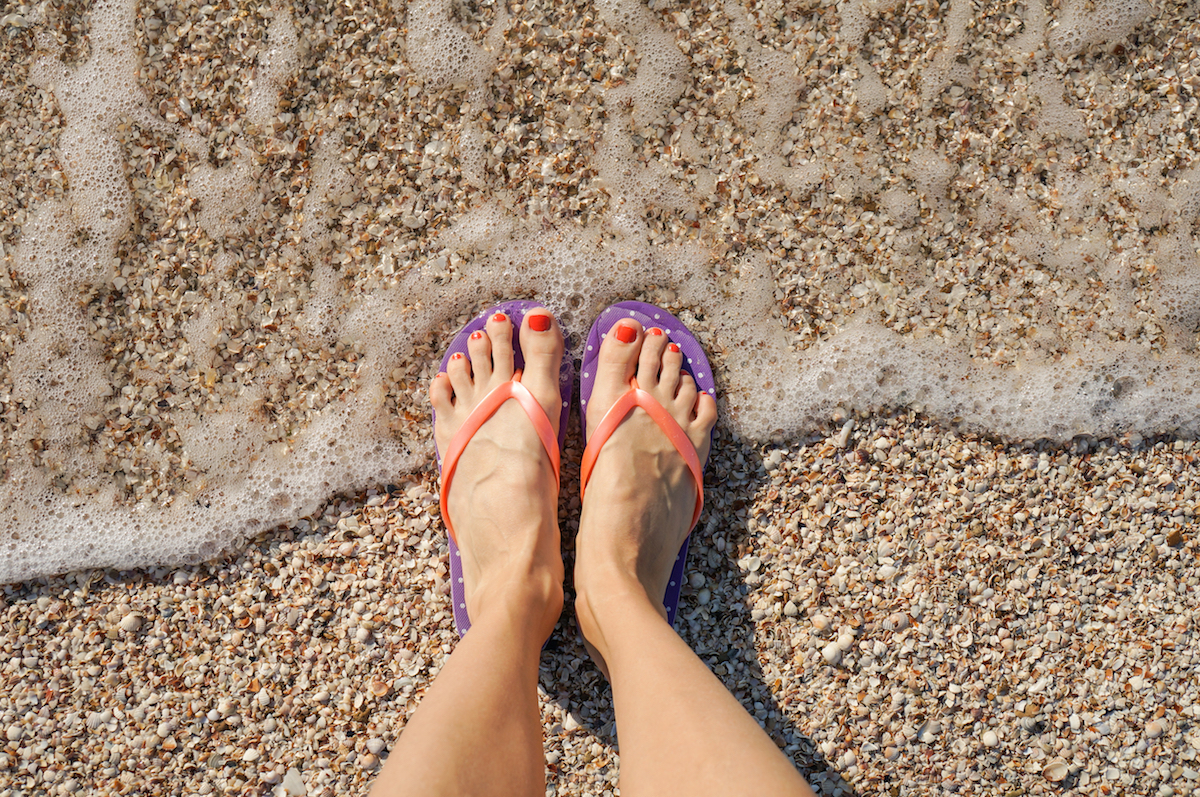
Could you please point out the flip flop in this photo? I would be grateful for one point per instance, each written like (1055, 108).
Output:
(516, 311)
(694, 363)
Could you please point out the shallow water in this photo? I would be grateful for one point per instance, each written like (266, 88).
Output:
(235, 238)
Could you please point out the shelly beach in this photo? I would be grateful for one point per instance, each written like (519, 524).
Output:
(943, 257)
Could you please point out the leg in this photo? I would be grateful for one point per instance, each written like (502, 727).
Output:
(478, 730)
(681, 731)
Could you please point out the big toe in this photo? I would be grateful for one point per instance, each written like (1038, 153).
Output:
(542, 348)
(616, 363)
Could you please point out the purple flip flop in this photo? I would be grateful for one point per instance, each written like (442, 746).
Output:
(516, 311)
(694, 362)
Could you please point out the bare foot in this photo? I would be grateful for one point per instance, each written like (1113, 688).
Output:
(503, 501)
(638, 506)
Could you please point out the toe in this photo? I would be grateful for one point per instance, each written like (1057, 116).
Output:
(651, 359)
(500, 331)
(700, 429)
(617, 361)
(479, 346)
(670, 367)
(441, 395)
(459, 371)
(615, 365)
(619, 352)
(542, 345)
(706, 411)
(685, 395)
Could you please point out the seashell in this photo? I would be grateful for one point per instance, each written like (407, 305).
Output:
(379, 689)
(1154, 729)
(990, 739)
(832, 653)
(820, 623)
(131, 622)
(896, 621)
(1056, 771)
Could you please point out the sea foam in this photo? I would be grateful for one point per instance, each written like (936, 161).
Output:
(66, 499)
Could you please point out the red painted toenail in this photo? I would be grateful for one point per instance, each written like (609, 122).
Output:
(539, 323)
(626, 334)
(458, 355)
(653, 331)
(498, 317)
(476, 335)
(674, 347)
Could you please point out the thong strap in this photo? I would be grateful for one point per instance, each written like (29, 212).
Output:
(636, 397)
(479, 416)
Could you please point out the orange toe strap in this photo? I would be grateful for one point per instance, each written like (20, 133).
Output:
(636, 397)
(479, 416)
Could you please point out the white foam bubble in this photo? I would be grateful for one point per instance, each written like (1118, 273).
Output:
(1099, 23)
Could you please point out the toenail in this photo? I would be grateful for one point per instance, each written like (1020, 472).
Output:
(476, 335)
(653, 331)
(626, 334)
(674, 347)
(498, 317)
(539, 323)
(458, 355)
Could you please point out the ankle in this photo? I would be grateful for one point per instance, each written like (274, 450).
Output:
(524, 593)
(604, 600)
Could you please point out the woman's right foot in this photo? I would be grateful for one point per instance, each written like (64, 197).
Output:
(504, 499)
(638, 506)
